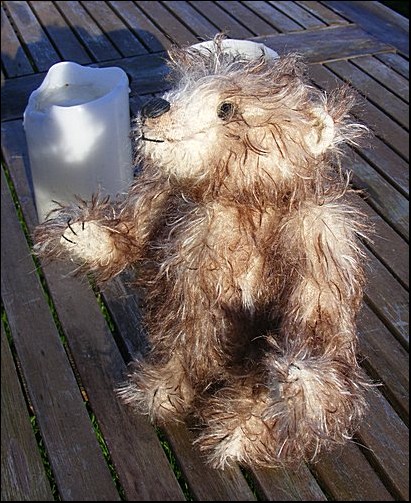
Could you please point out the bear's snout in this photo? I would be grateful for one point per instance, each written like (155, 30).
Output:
(155, 108)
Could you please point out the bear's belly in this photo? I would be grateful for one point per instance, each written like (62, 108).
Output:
(219, 252)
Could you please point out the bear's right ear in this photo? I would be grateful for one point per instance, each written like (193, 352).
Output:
(322, 132)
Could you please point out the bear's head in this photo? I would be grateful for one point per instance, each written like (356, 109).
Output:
(242, 124)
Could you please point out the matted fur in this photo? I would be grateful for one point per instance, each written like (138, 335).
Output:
(247, 254)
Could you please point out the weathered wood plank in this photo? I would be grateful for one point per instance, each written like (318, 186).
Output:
(273, 16)
(349, 477)
(383, 127)
(15, 94)
(98, 361)
(253, 22)
(192, 18)
(372, 90)
(388, 163)
(13, 57)
(324, 13)
(88, 31)
(23, 477)
(385, 359)
(205, 483)
(386, 439)
(141, 25)
(128, 435)
(171, 26)
(68, 435)
(342, 42)
(298, 14)
(125, 306)
(387, 298)
(377, 19)
(380, 194)
(148, 73)
(33, 35)
(221, 19)
(396, 62)
(59, 32)
(386, 244)
(282, 484)
(114, 29)
(396, 83)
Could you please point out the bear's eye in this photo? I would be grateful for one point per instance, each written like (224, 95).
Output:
(225, 110)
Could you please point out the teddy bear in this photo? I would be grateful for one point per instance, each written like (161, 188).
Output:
(247, 253)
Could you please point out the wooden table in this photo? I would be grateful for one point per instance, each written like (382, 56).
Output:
(65, 346)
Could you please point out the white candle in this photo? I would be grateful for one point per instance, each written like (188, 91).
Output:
(77, 126)
(244, 48)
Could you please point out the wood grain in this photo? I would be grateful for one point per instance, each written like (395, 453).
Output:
(387, 441)
(347, 476)
(59, 32)
(121, 37)
(342, 42)
(23, 477)
(31, 32)
(68, 435)
(13, 56)
(270, 14)
(377, 19)
(91, 35)
(298, 14)
(385, 359)
(324, 13)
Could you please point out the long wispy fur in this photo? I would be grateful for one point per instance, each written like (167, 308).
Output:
(247, 254)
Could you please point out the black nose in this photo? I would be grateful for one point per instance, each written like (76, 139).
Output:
(154, 108)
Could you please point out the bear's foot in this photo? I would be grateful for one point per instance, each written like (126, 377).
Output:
(236, 429)
(229, 441)
(162, 392)
(307, 406)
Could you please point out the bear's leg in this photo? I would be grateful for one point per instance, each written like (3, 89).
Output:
(311, 388)
(187, 357)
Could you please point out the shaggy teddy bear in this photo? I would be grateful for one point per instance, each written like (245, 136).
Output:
(247, 255)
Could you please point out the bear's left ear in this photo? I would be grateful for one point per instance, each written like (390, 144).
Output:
(321, 135)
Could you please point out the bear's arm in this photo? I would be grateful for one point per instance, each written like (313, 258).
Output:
(101, 236)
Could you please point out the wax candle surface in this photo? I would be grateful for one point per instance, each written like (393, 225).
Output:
(77, 126)
(69, 95)
(241, 48)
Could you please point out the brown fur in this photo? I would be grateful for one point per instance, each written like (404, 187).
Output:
(248, 257)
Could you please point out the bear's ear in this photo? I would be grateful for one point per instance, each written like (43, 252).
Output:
(322, 133)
